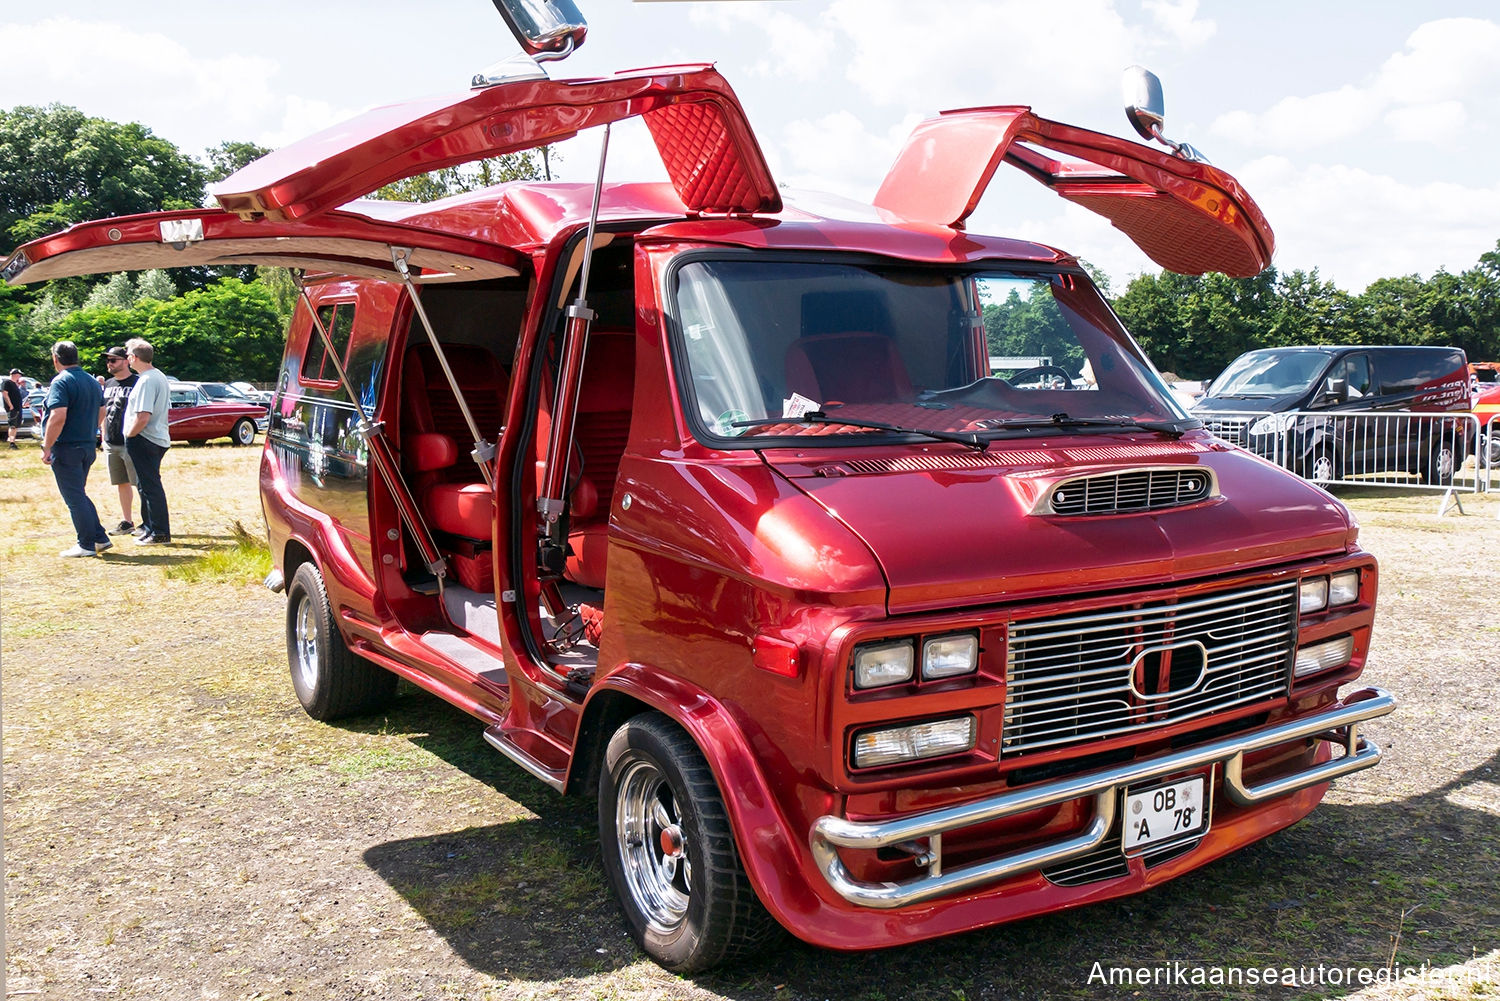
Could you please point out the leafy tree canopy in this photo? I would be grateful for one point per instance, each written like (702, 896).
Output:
(58, 166)
(530, 165)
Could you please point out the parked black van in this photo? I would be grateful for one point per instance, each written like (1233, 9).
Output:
(1296, 406)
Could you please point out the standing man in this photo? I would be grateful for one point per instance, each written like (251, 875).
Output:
(10, 388)
(147, 441)
(75, 406)
(121, 469)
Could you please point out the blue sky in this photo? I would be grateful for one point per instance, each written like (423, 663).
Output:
(1367, 131)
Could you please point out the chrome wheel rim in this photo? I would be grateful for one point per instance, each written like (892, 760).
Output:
(1445, 463)
(1322, 469)
(653, 847)
(246, 433)
(306, 631)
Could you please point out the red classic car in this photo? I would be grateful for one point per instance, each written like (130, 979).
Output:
(196, 416)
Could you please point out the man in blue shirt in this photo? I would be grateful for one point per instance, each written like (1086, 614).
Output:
(75, 407)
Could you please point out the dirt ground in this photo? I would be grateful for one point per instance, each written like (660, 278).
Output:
(176, 827)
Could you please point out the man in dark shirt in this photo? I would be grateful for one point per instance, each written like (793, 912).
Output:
(75, 409)
(10, 389)
(121, 468)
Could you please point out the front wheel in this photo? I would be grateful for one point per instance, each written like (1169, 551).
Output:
(243, 432)
(1441, 463)
(330, 681)
(670, 853)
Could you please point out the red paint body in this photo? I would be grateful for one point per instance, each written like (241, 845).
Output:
(739, 580)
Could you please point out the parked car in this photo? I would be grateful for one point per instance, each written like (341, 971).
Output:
(196, 415)
(245, 389)
(1487, 409)
(711, 509)
(33, 413)
(1302, 406)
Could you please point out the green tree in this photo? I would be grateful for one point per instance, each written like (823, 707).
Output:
(529, 165)
(59, 166)
(227, 157)
(229, 330)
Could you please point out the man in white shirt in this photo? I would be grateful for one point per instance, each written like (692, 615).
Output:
(147, 441)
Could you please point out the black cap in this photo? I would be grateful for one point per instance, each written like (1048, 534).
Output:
(15, 371)
(117, 352)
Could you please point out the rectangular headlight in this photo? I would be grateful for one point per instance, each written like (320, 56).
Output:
(1343, 588)
(1312, 596)
(947, 656)
(884, 663)
(1324, 656)
(913, 743)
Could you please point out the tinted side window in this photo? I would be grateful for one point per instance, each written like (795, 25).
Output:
(339, 321)
(1406, 369)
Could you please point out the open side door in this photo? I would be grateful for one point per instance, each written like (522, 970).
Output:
(1188, 217)
(710, 153)
(337, 242)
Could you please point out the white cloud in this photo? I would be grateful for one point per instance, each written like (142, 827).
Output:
(1421, 93)
(194, 98)
(954, 53)
(795, 49)
(1427, 123)
(838, 153)
(1179, 18)
(1355, 226)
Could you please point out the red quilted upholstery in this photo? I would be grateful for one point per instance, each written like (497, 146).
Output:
(600, 433)
(704, 160)
(1178, 237)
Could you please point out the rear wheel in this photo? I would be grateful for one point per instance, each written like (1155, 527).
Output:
(330, 681)
(243, 432)
(670, 853)
(1318, 466)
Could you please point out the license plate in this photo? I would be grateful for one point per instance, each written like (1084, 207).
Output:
(1171, 812)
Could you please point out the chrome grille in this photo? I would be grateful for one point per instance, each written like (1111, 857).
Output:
(1134, 490)
(1235, 430)
(1110, 863)
(1076, 678)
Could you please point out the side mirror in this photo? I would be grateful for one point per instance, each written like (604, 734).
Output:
(1338, 389)
(546, 29)
(1144, 105)
(1146, 109)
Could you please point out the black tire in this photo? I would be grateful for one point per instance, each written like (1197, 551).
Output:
(1443, 459)
(695, 909)
(243, 432)
(330, 681)
(1319, 466)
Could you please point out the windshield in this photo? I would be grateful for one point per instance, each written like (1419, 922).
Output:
(1269, 373)
(927, 349)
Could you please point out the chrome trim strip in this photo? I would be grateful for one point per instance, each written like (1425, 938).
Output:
(528, 764)
(830, 833)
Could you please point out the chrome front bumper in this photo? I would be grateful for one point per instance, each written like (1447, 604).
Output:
(829, 833)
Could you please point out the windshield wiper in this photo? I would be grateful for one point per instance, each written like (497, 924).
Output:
(819, 417)
(1061, 420)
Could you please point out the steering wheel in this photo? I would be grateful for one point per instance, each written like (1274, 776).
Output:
(1058, 377)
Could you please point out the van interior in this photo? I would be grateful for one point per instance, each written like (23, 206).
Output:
(478, 326)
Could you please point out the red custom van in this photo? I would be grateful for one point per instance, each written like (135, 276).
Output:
(710, 506)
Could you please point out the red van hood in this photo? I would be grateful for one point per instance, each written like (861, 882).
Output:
(954, 529)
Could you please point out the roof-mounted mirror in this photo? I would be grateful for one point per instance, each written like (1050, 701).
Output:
(1146, 109)
(546, 29)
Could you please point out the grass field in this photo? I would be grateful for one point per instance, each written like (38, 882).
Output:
(176, 827)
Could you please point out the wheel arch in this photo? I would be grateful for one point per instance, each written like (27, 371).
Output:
(770, 850)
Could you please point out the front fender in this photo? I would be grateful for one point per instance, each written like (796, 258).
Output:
(770, 849)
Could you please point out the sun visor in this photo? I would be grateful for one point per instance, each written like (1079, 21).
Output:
(336, 242)
(1187, 217)
(711, 155)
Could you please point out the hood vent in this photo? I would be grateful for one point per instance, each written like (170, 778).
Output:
(1130, 491)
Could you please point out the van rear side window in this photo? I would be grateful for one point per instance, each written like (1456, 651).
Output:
(338, 320)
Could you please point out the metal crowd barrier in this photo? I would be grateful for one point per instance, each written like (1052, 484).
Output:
(1416, 451)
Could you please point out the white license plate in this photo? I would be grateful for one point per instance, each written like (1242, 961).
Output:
(1165, 813)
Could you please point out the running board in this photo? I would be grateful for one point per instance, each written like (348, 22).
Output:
(497, 738)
